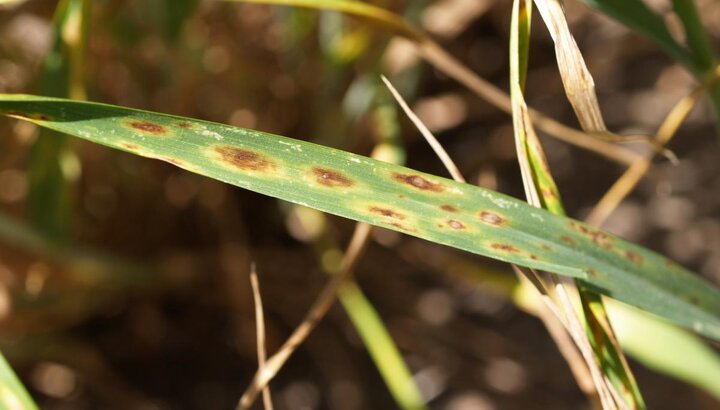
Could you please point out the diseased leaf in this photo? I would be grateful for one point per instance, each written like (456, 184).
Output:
(394, 197)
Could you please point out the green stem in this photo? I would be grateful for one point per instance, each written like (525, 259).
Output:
(12, 392)
(381, 347)
(700, 45)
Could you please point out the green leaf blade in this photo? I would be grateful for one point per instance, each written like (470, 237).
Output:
(394, 197)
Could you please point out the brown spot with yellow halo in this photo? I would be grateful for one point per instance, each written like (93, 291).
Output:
(455, 224)
(504, 247)
(184, 124)
(448, 208)
(148, 127)
(330, 178)
(387, 212)
(568, 240)
(131, 147)
(634, 257)
(491, 218)
(244, 159)
(598, 237)
(416, 181)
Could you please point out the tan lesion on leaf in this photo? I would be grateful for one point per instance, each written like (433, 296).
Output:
(331, 178)
(242, 159)
(386, 212)
(567, 240)
(418, 182)
(146, 127)
(130, 146)
(596, 236)
(492, 218)
(634, 257)
(448, 208)
(454, 224)
(504, 247)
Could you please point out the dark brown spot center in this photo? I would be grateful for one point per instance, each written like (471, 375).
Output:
(504, 247)
(418, 182)
(244, 159)
(634, 257)
(491, 218)
(455, 224)
(148, 127)
(331, 178)
(386, 212)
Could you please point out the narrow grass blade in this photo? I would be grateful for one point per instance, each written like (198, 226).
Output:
(394, 197)
(697, 38)
(700, 45)
(13, 395)
(381, 347)
(53, 165)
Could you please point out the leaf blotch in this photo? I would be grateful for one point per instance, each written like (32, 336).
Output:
(244, 159)
(504, 247)
(330, 178)
(491, 218)
(568, 240)
(131, 147)
(387, 212)
(148, 127)
(448, 208)
(184, 124)
(598, 237)
(546, 247)
(634, 257)
(548, 193)
(455, 224)
(416, 181)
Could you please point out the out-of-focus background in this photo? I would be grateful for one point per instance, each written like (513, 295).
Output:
(146, 302)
